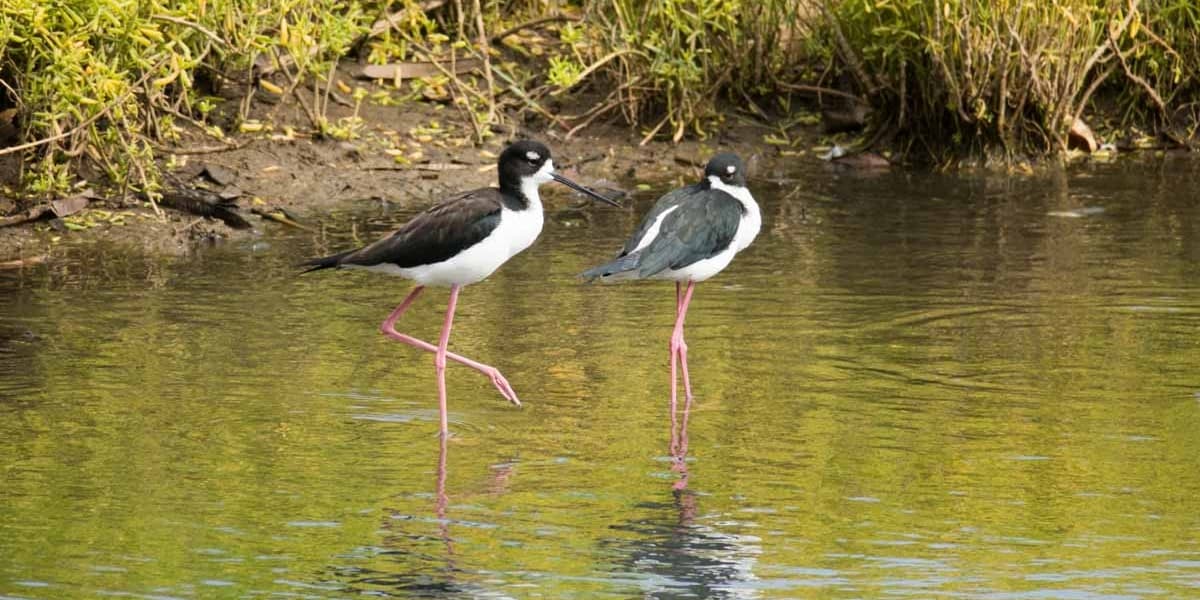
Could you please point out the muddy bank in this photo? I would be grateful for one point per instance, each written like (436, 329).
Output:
(409, 153)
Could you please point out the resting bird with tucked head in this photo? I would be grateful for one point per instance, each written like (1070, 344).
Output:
(690, 235)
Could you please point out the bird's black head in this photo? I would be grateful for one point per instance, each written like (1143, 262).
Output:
(523, 160)
(727, 167)
(526, 164)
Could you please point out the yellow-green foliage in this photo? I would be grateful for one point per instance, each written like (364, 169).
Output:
(954, 77)
(1164, 50)
(109, 76)
(101, 81)
(679, 57)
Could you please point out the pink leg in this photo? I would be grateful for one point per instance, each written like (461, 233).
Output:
(687, 407)
(389, 329)
(439, 359)
(679, 354)
(683, 348)
(674, 447)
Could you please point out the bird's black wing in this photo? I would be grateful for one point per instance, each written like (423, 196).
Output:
(435, 235)
(664, 203)
(702, 227)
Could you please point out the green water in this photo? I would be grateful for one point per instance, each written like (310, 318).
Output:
(912, 385)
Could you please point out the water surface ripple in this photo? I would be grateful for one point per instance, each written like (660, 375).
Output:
(913, 385)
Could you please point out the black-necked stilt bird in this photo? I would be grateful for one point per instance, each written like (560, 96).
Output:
(461, 241)
(691, 234)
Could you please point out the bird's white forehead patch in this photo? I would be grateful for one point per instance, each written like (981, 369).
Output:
(730, 169)
(531, 155)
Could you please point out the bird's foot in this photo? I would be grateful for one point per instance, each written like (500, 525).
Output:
(501, 384)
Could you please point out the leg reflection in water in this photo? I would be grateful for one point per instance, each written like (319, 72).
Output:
(679, 450)
(440, 505)
(678, 551)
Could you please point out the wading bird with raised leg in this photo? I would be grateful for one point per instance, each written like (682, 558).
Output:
(461, 241)
(690, 235)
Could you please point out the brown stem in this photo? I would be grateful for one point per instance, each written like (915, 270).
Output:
(487, 62)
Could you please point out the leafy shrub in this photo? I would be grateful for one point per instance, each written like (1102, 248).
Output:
(103, 79)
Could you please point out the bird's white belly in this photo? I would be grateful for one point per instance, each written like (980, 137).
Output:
(748, 228)
(701, 269)
(517, 231)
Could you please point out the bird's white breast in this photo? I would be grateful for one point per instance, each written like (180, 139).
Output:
(751, 222)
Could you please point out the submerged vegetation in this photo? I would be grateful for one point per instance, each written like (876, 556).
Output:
(99, 86)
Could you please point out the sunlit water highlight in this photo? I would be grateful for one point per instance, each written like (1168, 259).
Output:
(912, 385)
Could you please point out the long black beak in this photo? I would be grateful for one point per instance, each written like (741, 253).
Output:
(581, 189)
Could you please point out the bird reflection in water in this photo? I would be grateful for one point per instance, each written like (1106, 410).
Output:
(430, 561)
(675, 551)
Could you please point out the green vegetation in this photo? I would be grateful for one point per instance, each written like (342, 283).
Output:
(99, 85)
(672, 59)
(1010, 76)
(105, 80)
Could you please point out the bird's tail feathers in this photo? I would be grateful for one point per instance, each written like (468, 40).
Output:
(324, 262)
(624, 267)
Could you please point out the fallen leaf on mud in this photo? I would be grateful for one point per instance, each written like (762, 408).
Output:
(270, 87)
(280, 215)
(863, 160)
(218, 174)
(56, 208)
(71, 205)
(440, 167)
(1080, 137)
(416, 70)
(834, 153)
(1145, 142)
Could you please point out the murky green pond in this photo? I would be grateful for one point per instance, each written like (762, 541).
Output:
(913, 385)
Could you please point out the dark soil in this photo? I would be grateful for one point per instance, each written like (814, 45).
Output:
(283, 168)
